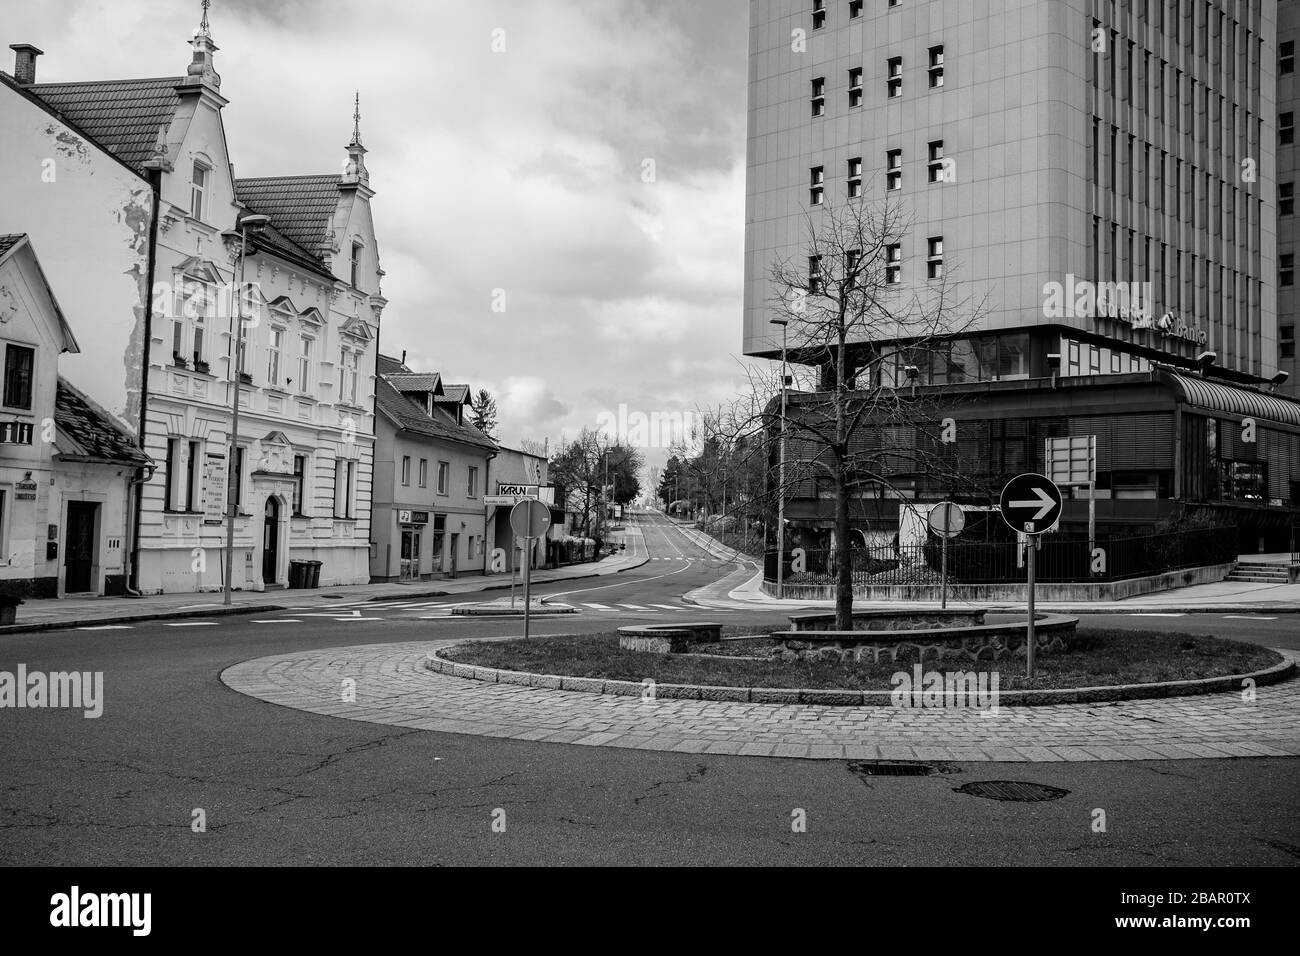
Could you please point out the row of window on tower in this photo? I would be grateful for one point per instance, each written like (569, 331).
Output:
(892, 263)
(893, 81)
(938, 170)
(819, 10)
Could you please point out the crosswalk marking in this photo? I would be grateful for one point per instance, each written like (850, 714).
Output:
(670, 607)
(599, 607)
(634, 607)
(107, 627)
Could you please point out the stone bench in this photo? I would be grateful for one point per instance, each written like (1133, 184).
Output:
(667, 638)
(980, 642)
(892, 620)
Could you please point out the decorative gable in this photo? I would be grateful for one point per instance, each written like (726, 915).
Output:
(275, 454)
(357, 329)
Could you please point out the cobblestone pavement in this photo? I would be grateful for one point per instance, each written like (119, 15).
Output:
(393, 687)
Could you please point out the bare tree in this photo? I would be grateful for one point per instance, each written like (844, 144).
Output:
(842, 305)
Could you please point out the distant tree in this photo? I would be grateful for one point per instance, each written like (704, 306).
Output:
(483, 408)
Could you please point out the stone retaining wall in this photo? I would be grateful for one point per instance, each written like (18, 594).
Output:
(986, 642)
(891, 620)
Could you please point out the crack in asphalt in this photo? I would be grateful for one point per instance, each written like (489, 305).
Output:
(691, 777)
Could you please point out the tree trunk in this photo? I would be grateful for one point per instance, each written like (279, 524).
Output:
(843, 554)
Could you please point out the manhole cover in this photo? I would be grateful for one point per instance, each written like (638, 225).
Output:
(1016, 790)
(892, 768)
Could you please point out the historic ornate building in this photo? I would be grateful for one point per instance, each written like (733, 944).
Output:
(300, 471)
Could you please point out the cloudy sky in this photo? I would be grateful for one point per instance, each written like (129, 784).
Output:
(521, 169)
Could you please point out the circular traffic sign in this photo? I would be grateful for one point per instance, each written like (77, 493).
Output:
(1031, 503)
(530, 518)
(947, 519)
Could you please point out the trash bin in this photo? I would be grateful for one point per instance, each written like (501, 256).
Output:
(297, 574)
(313, 573)
(9, 607)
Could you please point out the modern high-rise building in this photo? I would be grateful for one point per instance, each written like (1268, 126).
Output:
(1288, 227)
(1102, 185)
(1034, 145)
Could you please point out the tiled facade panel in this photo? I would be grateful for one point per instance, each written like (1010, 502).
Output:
(1026, 115)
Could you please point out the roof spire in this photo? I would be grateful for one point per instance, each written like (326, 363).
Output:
(354, 167)
(201, 70)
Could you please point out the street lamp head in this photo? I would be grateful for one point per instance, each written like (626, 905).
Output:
(254, 221)
(911, 371)
(779, 321)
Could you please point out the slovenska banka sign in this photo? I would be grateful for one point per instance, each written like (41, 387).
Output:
(1129, 302)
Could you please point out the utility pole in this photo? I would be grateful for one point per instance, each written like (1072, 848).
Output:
(780, 479)
(237, 365)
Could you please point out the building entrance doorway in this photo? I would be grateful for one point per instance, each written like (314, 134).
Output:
(410, 570)
(79, 547)
(270, 541)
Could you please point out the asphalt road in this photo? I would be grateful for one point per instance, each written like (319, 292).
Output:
(281, 786)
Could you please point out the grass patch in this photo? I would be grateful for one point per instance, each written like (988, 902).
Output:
(1098, 657)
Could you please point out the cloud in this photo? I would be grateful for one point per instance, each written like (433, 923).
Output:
(519, 170)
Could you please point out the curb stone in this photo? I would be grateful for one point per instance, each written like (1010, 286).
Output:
(19, 628)
(1275, 674)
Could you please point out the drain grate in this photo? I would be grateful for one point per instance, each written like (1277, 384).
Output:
(1014, 790)
(892, 768)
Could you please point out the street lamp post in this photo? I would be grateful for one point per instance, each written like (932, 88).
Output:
(780, 475)
(252, 221)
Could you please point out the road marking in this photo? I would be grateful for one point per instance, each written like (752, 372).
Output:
(1247, 617)
(599, 607)
(107, 627)
(634, 607)
(1154, 614)
(191, 607)
(278, 620)
(190, 624)
(669, 607)
(337, 617)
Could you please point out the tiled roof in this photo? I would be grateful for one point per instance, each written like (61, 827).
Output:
(273, 239)
(302, 207)
(415, 381)
(391, 366)
(84, 431)
(405, 414)
(123, 116)
(453, 394)
(8, 241)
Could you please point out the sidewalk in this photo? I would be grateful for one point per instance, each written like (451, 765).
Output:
(1223, 597)
(37, 615)
(743, 588)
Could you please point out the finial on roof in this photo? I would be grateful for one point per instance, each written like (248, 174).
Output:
(354, 167)
(201, 69)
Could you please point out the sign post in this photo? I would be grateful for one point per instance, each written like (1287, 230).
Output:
(1073, 461)
(947, 521)
(1031, 504)
(529, 519)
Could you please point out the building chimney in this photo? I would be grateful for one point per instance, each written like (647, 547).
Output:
(25, 62)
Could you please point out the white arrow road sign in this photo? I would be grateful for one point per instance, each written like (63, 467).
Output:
(1044, 503)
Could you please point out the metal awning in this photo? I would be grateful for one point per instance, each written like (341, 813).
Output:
(1218, 397)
